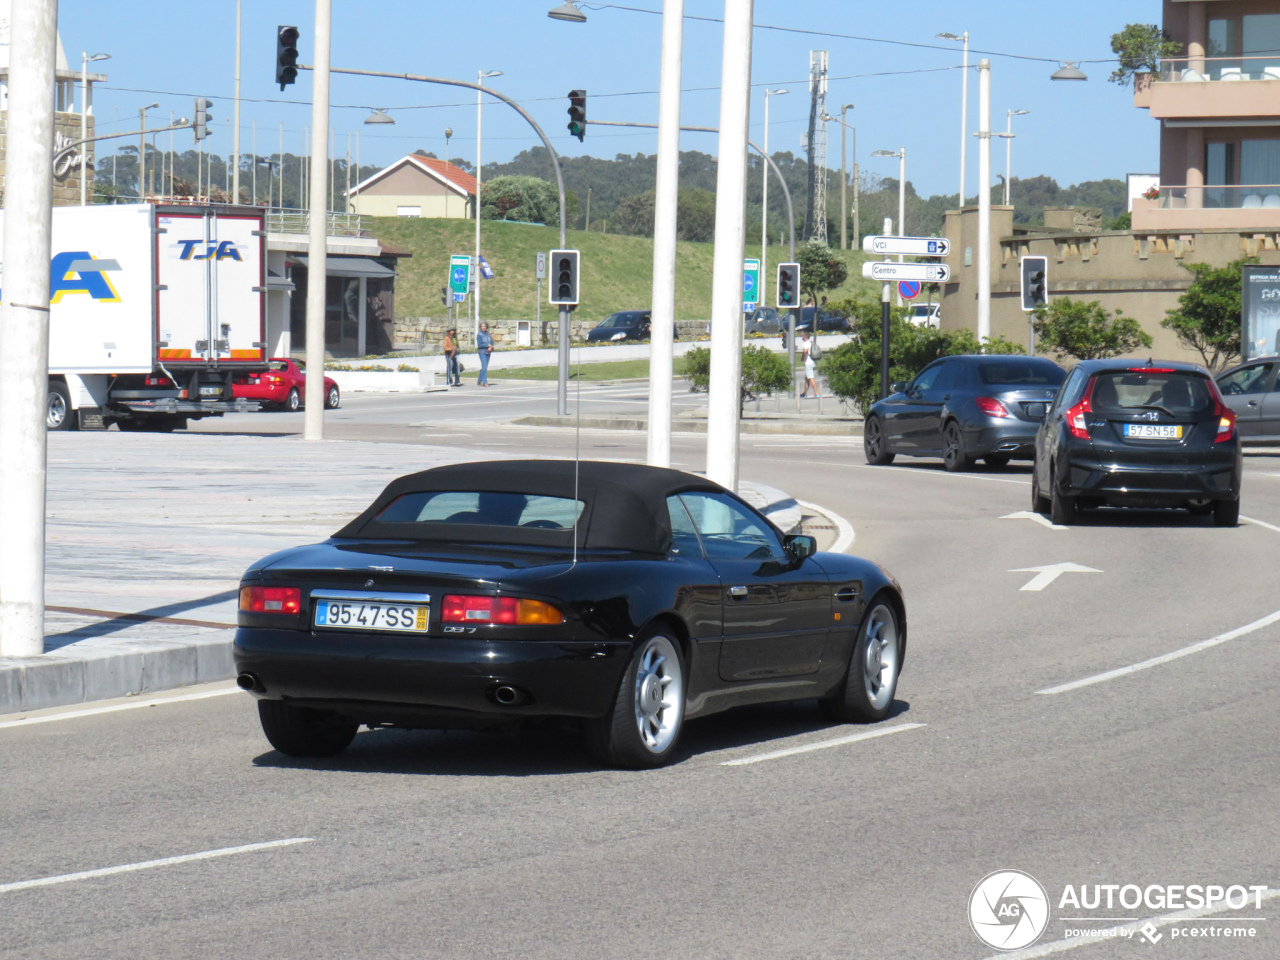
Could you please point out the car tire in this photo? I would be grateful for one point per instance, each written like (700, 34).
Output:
(1226, 513)
(1062, 508)
(1039, 502)
(875, 446)
(303, 732)
(954, 458)
(865, 695)
(58, 412)
(643, 727)
(996, 460)
(332, 398)
(293, 402)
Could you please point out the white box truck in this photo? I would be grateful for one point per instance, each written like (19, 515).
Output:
(153, 310)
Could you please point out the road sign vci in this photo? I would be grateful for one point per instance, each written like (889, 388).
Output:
(907, 246)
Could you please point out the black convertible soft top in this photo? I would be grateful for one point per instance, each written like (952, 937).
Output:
(624, 504)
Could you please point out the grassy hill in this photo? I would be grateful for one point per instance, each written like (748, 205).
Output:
(617, 271)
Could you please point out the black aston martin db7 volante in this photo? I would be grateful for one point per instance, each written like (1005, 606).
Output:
(629, 598)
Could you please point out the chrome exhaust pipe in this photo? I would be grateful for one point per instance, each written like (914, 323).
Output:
(507, 696)
(249, 683)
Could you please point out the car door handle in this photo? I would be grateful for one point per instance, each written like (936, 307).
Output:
(947, 397)
(1253, 403)
(737, 591)
(848, 593)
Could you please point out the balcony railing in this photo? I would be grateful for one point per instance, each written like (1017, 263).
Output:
(289, 220)
(1253, 196)
(1219, 69)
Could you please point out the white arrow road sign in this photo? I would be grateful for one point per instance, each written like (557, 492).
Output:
(908, 246)
(1047, 574)
(928, 272)
(1037, 517)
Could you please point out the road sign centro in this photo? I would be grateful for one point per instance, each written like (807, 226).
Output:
(909, 289)
(907, 246)
(893, 271)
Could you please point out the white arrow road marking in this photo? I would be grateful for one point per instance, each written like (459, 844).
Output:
(1037, 517)
(1050, 572)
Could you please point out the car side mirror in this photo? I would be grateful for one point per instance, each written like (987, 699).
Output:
(801, 545)
(898, 386)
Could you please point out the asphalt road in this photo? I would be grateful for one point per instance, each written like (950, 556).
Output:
(472, 845)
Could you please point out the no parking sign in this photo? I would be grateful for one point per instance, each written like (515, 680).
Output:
(908, 289)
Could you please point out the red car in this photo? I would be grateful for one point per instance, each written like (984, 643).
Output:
(283, 385)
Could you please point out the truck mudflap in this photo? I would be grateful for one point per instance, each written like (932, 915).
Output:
(170, 405)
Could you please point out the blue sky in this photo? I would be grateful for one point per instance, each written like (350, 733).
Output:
(1075, 131)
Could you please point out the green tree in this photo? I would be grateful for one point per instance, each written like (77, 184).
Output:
(527, 199)
(820, 269)
(1140, 47)
(1208, 316)
(853, 369)
(764, 372)
(1086, 331)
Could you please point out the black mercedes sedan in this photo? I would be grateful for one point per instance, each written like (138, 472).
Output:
(623, 325)
(1129, 433)
(964, 408)
(628, 598)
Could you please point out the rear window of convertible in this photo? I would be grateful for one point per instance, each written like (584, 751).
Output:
(477, 507)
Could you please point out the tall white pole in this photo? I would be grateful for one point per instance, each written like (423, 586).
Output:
(235, 135)
(475, 270)
(724, 394)
(984, 200)
(24, 326)
(662, 304)
(964, 118)
(902, 207)
(764, 206)
(84, 123)
(318, 221)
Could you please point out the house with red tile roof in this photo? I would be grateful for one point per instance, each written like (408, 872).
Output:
(416, 186)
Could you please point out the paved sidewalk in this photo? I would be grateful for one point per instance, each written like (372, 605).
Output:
(148, 536)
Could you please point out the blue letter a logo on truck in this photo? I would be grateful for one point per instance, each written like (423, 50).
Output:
(76, 271)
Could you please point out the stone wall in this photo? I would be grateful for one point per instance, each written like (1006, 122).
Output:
(415, 333)
(66, 128)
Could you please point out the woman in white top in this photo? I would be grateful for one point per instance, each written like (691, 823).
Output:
(810, 368)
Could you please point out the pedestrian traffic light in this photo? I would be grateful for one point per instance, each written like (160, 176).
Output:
(444, 296)
(578, 113)
(1035, 282)
(788, 285)
(286, 55)
(200, 125)
(563, 288)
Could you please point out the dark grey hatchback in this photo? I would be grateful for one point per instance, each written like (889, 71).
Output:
(964, 408)
(1123, 433)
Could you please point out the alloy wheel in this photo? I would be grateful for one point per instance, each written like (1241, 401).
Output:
(56, 413)
(659, 694)
(880, 661)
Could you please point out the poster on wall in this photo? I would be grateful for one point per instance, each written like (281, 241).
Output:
(1260, 311)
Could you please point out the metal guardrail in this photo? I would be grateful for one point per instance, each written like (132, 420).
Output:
(288, 220)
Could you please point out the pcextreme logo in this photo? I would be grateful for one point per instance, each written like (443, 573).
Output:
(76, 271)
(206, 250)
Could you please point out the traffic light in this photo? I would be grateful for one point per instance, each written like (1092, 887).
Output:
(563, 288)
(286, 55)
(444, 296)
(788, 286)
(578, 113)
(200, 125)
(1035, 282)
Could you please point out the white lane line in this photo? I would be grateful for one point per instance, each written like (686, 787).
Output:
(822, 744)
(1112, 934)
(93, 711)
(151, 864)
(1037, 517)
(844, 529)
(1261, 523)
(1167, 657)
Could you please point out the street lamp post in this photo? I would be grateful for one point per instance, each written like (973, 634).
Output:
(901, 154)
(984, 200)
(764, 203)
(317, 225)
(844, 175)
(84, 115)
(481, 75)
(964, 107)
(235, 135)
(1008, 150)
(142, 150)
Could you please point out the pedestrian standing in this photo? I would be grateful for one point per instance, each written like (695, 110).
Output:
(810, 367)
(452, 371)
(484, 346)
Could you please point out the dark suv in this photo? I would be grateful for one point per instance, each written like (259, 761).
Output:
(1123, 433)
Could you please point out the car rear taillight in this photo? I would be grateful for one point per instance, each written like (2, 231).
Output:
(1075, 415)
(456, 608)
(990, 406)
(1226, 416)
(157, 382)
(271, 599)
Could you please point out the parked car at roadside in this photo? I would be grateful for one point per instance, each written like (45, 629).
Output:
(926, 315)
(623, 325)
(964, 408)
(1251, 391)
(1128, 434)
(828, 321)
(283, 385)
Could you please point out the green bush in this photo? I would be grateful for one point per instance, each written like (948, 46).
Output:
(1208, 316)
(764, 372)
(853, 369)
(1087, 331)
